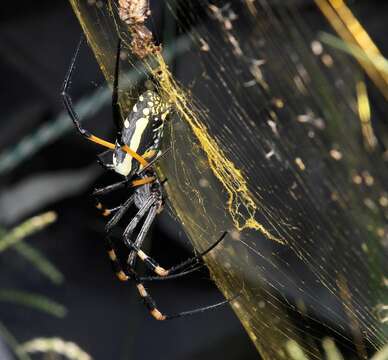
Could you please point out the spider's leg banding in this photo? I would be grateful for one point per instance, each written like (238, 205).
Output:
(117, 268)
(156, 268)
(150, 303)
(142, 234)
(172, 276)
(123, 275)
(104, 210)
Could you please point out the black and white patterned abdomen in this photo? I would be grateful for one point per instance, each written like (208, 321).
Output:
(142, 132)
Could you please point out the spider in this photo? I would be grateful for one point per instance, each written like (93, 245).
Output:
(141, 132)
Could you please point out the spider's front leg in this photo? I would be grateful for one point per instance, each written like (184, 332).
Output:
(115, 107)
(69, 105)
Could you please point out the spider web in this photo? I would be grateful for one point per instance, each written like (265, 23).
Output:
(267, 144)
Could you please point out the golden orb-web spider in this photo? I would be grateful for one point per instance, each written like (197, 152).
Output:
(141, 133)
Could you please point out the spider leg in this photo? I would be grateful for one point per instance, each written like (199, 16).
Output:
(74, 117)
(151, 163)
(102, 191)
(143, 181)
(106, 211)
(136, 219)
(142, 234)
(119, 214)
(148, 301)
(105, 159)
(110, 188)
(198, 257)
(105, 190)
(123, 275)
(189, 267)
(150, 304)
(117, 268)
(115, 94)
(69, 105)
(148, 206)
(156, 268)
(122, 184)
(123, 209)
(173, 276)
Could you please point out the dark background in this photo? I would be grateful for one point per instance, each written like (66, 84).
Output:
(105, 318)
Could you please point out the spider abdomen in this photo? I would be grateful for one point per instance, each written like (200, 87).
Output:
(142, 132)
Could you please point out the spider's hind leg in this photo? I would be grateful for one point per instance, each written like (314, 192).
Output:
(183, 266)
(125, 274)
(115, 262)
(150, 303)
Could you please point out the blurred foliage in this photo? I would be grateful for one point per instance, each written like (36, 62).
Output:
(55, 347)
(13, 239)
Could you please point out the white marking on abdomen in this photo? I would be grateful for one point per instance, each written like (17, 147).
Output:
(140, 126)
(125, 167)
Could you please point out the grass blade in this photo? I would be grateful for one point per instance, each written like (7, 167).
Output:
(13, 344)
(27, 228)
(35, 301)
(40, 262)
